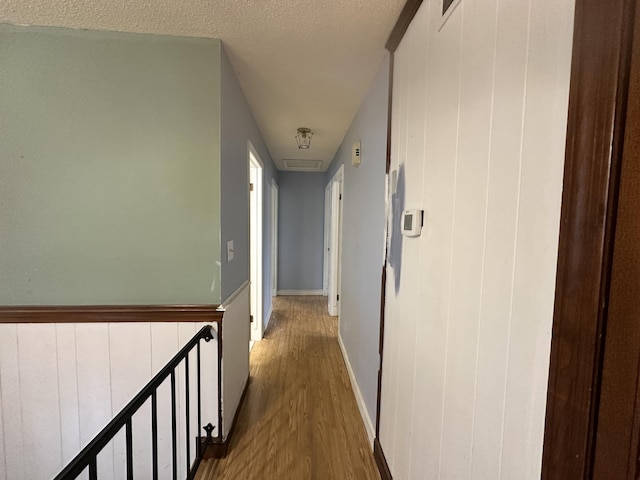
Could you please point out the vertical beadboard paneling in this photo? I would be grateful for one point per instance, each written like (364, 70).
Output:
(503, 188)
(130, 360)
(389, 377)
(142, 456)
(11, 402)
(400, 93)
(164, 345)
(3, 470)
(436, 256)
(185, 333)
(130, 364)
(68, 391)
(118, 460)
(3, 473)
(60, 384)
(94, 387)
(467, 333)
(547, 88)
(193, 401)
(474, 128)
(40, 400)
(413, 110)
(235, 351)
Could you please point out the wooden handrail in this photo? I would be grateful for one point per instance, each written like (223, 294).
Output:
(110, 313)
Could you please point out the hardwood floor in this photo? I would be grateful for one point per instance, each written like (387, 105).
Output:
(300, 419)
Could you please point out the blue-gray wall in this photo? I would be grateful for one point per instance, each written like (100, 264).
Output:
(363, 236)
(237, 127)
(301, 231)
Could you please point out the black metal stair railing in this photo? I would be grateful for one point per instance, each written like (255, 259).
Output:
(88, 457)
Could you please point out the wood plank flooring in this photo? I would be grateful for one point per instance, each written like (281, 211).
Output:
(300, 419)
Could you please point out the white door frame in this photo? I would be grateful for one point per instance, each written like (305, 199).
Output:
(256, 216)
(274, 237)
(336, 241)
(327, 236)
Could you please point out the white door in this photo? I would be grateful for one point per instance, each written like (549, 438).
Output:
(255, 241)
(335, 252)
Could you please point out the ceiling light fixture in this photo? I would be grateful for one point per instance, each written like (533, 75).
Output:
(304, 138)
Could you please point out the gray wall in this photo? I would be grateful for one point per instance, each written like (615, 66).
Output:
(237, 127)
(363, 236)
(109, 168)
(300, 230)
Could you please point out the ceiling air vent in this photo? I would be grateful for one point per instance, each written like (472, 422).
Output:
(300, 164)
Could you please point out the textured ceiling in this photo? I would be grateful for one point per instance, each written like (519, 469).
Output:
(301, 63)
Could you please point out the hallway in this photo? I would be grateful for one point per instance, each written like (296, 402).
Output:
(299, 419)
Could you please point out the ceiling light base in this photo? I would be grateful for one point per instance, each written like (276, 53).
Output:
(303, 138)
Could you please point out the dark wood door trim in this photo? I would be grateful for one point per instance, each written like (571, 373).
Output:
(381, 461)
(383, 287)
(595, 132)
(389, 112)
(618, 427)
(402, 24)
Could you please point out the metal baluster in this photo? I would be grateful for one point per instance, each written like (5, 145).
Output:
(174, 442)
(198, 446)
(154, 433)
(86, 461)
(93, 468)
(219, 347)
(186, 400)
(129, 441)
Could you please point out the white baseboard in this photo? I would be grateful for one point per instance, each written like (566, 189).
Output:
(267, 319)
(300, 292)
(228, 422)
(368, 424)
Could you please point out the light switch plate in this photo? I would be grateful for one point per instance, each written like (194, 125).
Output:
(229, 250)
(356, 154)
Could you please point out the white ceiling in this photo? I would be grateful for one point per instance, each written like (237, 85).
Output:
(301, 63)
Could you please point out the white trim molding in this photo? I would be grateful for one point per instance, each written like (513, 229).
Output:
(300, 292)
(234, 295)
(267, 319)
(366, 419)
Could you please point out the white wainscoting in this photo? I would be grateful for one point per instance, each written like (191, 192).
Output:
(60, 384)
(478, 138)
(236, 333)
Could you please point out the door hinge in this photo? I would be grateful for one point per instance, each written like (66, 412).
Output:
(340, 196)
(251, 187)
(338, 297)
(250, 318)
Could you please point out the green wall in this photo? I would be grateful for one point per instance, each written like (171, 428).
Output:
(109, 168)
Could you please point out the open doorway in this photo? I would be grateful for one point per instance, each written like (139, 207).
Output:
(335, 241)
(274, 238)
(255, 241)
(327, 236)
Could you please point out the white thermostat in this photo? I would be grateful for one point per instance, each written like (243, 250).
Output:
(412, 222)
